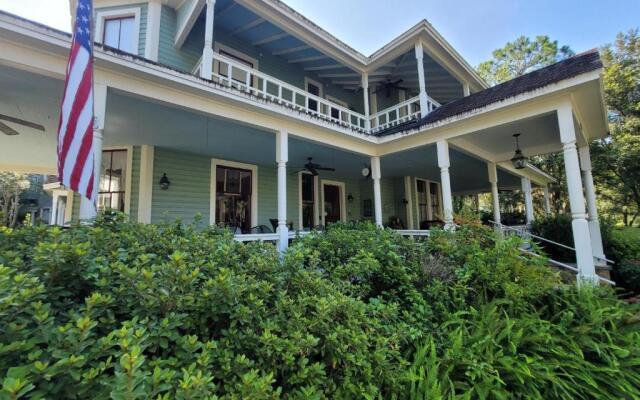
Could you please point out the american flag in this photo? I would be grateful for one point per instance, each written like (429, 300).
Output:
(75, 128)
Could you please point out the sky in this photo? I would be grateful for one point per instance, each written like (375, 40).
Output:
(474, 27)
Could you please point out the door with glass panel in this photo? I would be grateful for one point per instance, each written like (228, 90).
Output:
(233, 198)
(113, 180)
(429, 203)
(308, 199)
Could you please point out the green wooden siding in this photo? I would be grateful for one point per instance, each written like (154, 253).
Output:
(143, 22)
(188, 194)
(188, 55)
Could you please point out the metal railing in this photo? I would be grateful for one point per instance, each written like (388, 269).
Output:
(524, 232)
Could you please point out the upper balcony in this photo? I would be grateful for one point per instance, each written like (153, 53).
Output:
(268, 52)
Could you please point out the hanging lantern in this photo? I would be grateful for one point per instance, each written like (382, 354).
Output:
(518, 160)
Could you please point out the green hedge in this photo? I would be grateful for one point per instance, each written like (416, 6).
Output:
(129, 311)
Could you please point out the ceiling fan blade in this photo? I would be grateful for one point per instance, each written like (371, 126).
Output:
(22, 122)
(8, 130)
(325, 169)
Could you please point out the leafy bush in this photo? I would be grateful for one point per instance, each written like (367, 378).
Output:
(584, 346)
(127, 311)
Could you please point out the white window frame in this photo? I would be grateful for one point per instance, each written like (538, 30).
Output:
(429, 208)
(102, 16)
(236, 53)
(308, 81)
(129, 166)
(316, 200)
(254, 188)
(343, 199)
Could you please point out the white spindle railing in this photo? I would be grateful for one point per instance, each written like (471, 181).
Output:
(402, 112)
(234, 74)
(231, 73)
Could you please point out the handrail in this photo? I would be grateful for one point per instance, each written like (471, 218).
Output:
(413, 232)
(567, 266)
(402, 112)
(261, 84)
(549, 241)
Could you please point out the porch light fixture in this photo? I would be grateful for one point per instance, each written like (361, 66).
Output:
(366, 171)
(164, 182)
(518, 160)
(350, 198)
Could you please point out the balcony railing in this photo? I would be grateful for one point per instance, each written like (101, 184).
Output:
(402, 112)
(231, 73)
(236, 75)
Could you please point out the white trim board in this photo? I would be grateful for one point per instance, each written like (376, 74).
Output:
(254, 188)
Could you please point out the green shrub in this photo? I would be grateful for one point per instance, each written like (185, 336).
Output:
(584, 347)
(130, 311)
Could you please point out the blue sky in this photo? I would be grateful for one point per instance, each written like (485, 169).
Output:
(474, 27)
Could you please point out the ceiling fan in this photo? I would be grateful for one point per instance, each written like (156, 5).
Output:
(7, 130)
(388, 85)
(313, 168)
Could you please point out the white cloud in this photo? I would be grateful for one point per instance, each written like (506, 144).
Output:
(54, 13)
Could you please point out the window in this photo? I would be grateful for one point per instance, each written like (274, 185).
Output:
(113, 173)
(335, 112)
(119, 33)
(233, 198)
(236, 74)
(308, 200)
(315, 89)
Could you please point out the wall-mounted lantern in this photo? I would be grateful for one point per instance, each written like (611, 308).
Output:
(164, 182)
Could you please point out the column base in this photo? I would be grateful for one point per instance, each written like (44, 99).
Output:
(584, 253)
(283, 237)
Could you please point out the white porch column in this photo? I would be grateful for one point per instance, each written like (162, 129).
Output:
(445, 182)
(581, 237)
(377, 194)
(465, 89)
(592, 209)
(152, 37)
(87, 208)
(528, 198)
(282, 156)
(493, 179)
(365, 93)
(424, 102)
(206, 68)
(547, 200)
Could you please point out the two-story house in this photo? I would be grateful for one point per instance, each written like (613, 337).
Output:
(246, 112)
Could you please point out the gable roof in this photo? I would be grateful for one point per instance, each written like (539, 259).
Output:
(579, 64)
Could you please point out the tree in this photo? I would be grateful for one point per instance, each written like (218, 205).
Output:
(515, 59)
(617, 158)
(11, 186)
(522, 56)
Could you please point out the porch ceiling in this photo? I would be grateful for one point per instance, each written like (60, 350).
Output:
(538, 135)
(243, 24)
(135, 121)
(440, 84)
(35, 98)
(468, 174)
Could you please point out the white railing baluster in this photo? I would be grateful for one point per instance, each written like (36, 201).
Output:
(402, 112)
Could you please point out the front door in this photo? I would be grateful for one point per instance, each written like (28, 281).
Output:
(332, 206)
